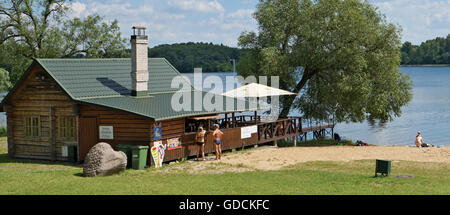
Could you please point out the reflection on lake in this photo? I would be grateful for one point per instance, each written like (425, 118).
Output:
(428, 112)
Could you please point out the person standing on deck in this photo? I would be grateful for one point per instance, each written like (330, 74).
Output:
(200, 141)
(217, 138)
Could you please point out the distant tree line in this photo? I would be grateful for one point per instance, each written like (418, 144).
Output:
(187, 56)
(436, 51)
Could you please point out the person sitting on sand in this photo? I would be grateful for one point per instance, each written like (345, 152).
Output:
(200, 141)
(337, 138)
(217, 138)
(419, 141)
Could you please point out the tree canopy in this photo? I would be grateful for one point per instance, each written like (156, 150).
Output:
(186, 56)
(436, 51)
(341, 56)
(42, 29)
(5, 83)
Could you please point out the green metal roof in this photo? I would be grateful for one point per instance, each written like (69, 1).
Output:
(159, 106)
(83, 78)
(107, 83)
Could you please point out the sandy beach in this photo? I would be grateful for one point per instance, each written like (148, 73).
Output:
(273, 158)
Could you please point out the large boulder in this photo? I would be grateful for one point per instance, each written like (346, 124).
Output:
(102, 160)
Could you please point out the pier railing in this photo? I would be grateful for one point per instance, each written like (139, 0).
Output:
(280, 129)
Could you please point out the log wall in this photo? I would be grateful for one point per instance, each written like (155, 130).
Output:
(38, 96)
(128, 129)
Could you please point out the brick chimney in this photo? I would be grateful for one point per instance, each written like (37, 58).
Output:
(139, 62)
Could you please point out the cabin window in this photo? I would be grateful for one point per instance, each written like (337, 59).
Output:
(67, 127)
(32, 126)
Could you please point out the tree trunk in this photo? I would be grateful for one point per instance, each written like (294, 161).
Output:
(287, 103)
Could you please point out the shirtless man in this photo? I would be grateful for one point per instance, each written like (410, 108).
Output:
(217, 138)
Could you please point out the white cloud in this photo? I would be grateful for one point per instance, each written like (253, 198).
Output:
(421, 19)
(203, 6)
(77, 9)
(173, 21)
(241, 14)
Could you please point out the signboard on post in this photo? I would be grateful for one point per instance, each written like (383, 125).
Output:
(157, 131)
(106, 132)
(158, 152)
(173, 143)
(246, 132)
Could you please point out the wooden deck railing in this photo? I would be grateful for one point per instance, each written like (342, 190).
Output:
(239, 121)
(280, 129)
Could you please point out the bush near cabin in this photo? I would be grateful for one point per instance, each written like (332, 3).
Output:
(3, 131)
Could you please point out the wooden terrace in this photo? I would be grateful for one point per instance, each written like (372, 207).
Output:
(231, 126)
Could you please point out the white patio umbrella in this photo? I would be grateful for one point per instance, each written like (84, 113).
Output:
(256, 90)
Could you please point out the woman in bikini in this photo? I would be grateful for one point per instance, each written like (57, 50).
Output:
(200, 141)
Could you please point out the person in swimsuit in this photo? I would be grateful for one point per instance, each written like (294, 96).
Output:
(217, 138)
(419, 140)
(200, 141)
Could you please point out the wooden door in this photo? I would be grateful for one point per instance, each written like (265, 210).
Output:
(88, 133)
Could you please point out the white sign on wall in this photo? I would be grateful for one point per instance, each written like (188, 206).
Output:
(246, 132)
(64, 151)
(106, 132)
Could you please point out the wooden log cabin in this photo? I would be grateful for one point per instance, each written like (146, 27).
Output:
(59, 102)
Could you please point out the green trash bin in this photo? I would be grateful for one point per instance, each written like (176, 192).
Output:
(139, 156)
(127, 150)
(383, 167)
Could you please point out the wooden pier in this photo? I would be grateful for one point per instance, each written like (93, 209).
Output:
(278, 130)
(291, 128)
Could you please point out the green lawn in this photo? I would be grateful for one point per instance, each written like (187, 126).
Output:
(33, 177)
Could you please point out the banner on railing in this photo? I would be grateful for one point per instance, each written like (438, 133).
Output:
(246, 132)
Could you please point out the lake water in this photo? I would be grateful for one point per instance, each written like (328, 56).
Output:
(429, 112)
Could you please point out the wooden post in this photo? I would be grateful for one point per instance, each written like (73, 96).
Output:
(275, 143)
(233, 119)
(227, 125)
(52, 134)
(295, 141)
(256, 117)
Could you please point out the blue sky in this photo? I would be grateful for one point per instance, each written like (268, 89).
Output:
(222, 21)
